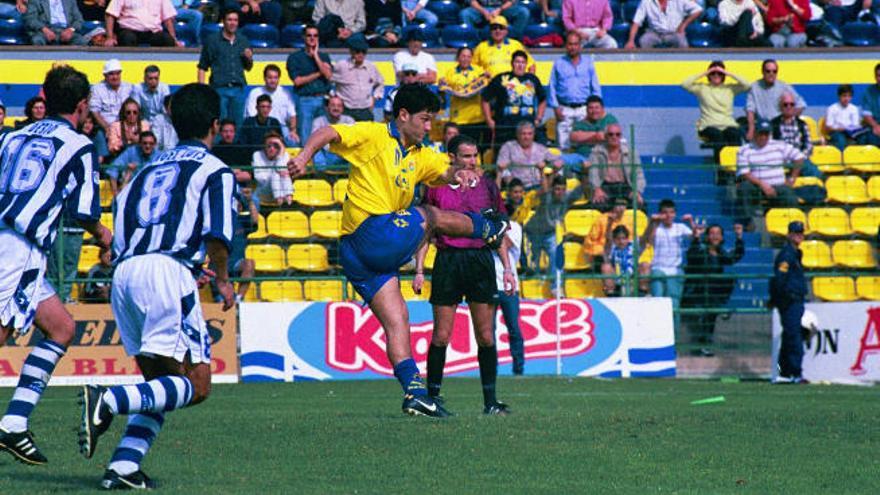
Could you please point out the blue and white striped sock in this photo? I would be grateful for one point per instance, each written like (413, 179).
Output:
(140, 433)
(162, 394)
(35, 374)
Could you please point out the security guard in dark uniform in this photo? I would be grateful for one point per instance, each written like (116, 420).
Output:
(788, 289)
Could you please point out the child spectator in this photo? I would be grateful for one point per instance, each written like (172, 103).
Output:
(843, 120)
(619, 263)
(668, 238)
(97, 288)
(270, 171)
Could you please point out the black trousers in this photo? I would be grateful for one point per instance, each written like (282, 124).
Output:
(127, 37)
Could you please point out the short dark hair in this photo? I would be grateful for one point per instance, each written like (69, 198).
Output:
(461, 49)
(194, 109)
(271, 67)
(64, 88)
(716, 63)
(273, 134)
(459, 141)
(666, 203)
(620, 229)
(519, 53)
(558, 181)
(844, 89)
(262, 98)
(595, 99)
(145, 134)
(310, 26)
(515, 182)
(877, 68)
(450, 125)
(226, 122)
(415, 98)
(29, 106)
(226, 12)
(151, 68)
(768, 61)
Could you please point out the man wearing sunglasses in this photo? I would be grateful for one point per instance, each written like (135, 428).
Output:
(310, 70)
(494, 54)
(762, 102)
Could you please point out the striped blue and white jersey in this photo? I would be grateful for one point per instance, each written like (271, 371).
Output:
(174, 204)
(44, 168)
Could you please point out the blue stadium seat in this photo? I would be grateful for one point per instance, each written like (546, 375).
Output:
(261, 35)
(459, 35)
(629, 10)
(703, 35)
(209, 29)
(620, 32)
(446, 10)
(431, 35)
(12, 32)
(861, 33)
(292, 36)
(535, 11)
(535, 31)
(186, 34)
(92, 25)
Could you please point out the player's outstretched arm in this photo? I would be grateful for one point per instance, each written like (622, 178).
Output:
(419, 279)
(467, 178)
(102, 234)
(322, 137)
(219, 254)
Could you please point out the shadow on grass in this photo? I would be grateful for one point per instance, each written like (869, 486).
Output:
(48, 480)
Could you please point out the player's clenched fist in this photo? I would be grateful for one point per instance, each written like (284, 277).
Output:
(467, 178)
(297, 166)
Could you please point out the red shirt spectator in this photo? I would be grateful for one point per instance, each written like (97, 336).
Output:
(780, 13)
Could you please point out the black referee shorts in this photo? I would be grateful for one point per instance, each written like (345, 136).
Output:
(463, 274)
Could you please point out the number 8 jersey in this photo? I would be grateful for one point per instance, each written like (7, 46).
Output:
(174, 204)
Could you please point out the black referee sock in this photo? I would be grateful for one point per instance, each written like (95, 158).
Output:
(488, 359)
(436, 362)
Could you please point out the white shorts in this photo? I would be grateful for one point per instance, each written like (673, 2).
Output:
(23, 284)
(156, 304)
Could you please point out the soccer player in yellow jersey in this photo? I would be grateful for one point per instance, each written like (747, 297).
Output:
(381, 231)
(494, 54)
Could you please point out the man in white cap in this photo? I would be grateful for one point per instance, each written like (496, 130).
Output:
(409, 74)
(108, 95)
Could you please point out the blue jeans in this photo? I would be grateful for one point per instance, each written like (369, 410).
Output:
(424, 16)
(667, 287)
(510, 310)
(232, 103)
(791, 351)
(545, 243)
(516, 15)
(573, 162)
(194, 17)
(329, 162)
(308, 108)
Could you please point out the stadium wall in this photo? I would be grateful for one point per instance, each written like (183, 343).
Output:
(641, 88)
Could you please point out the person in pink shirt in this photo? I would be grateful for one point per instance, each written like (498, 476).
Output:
(592, 19)
(137, 22)
(787, 22)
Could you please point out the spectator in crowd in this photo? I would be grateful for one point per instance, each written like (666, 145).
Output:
(166, 136)
(762, 101)
(707, 256)
(788, 289)
(108, 95)
(283, 108)
(668, 238)
(619, 262)
(409, 74)
(789, 127)
(188, 12)
(573, 79)
(839, 12)
(450, 130)
(232, 153)
(227, 55)
(91, 129)
(587, 133)
(270, 171)
(871, 109)
(516, 205)
(612, 170)
(130, 161)
(132, 23)
(63, 257)
(296, 11)
(324, 159)
(50, 22)
(424, 62)
(541, 227)
(717, 125)
(667, 22)
(96, 290)
(414, 12)
(596, 240)
(524, 159)
(509, 303)
(481, 12)
(92, 10)
(787, 22)
(591, 20)
(3, 127)
(340, 22)
(843, 120)
(384, 22)
(494, 54)
(34, 110)
(512, 97)
(254, 129)
(464, 83)
(127, 128)
(150, 94)
(742, 23)
(760, 167)
(246, 224)
(358, 83)
(256, 11)
(311, 71)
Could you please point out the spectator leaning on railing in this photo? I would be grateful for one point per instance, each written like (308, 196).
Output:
(541, 228)
(667, 21)
(573, 80)
(135, 22)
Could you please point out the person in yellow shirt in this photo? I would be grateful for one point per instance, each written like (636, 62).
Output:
(381, 231)
(494, 54)
(464, 82)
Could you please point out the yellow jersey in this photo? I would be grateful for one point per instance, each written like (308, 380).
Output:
(464, 86)
(495, 59)
(383, 174)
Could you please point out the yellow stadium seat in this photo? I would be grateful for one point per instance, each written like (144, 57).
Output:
(267, 257)
(106, 193)
(261, 232)
(641, 220)
(816, 254)
(727, 158)
(281, 290)
(836, 289)
(288, 224)
(868, 288)
(827, 158)
(580, 288)
(106, 221)
(307, 257)
(864, 159)
(828, 221)
(488, 157)
(535, 288)
(323, 290)
(555, 152)
(326, 223)
(574, 256)
(865, 220)
(430, 256)
(854, 254)
(572, 184)
(74, 291)
(823, 129)
(312, 192)
(550, 127)
(9, 121)
(777, 219)
(813, 127)
(407, 291)
(251, 294)
(579, 222)
(293, 152)
(808, 181)
(339, 189)
(88, 257)
(874, 188)
(849, 189)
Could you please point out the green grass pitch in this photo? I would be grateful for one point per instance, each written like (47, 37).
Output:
(565, 436)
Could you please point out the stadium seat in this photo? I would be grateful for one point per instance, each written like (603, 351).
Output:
(835, 289)
(574, 256)
(874, 188)
(620, 32)
(106, 193)
(326, 223)
(288, 224)
(431, 36)
(446, 10)
(536, 31)
(261, 232)
(727, 158)
(860, 33)
(832, 222)
(307, 257)
(802, 181)
(323, 290)
(864, 159)
(813, 127)
(777, 219)
(209, 29)
(88, 26)
(459, 35)
(535, 288)
(827, 158)
(868, 288)
(629, 10)
(703, 35)
(292, 36)
(816, 254)
(313, 192)
(267, 257)
(580, 288)
(88, 257)
(822, 129)
(339, 190)
(865, 220)
(251, 294)
(579, 222)
(186, 34)
(641, 220)
(848, 189)
(854, 254)
(406, 291)
(571, 184)
(281, 290)
(261, 35)
(12, 32)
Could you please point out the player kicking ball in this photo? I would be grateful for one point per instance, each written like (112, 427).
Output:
(174, 210)
(45, 168)
(381, 231)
